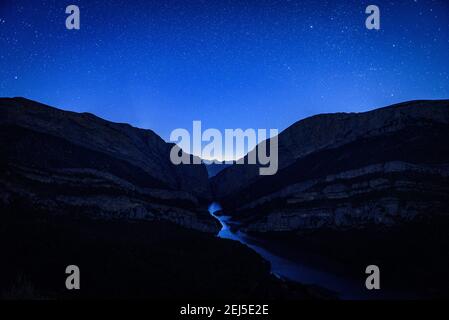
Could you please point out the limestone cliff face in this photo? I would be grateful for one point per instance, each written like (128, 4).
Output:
(347, 170)
(77, 163)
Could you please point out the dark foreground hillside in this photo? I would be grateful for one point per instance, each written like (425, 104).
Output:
(119, 259)
(413, 258)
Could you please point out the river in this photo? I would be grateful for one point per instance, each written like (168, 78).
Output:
(297, 271)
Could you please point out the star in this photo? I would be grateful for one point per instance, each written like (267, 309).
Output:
(227, 52)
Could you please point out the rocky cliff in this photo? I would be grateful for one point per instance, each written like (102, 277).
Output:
(347, 170)
(76, 163)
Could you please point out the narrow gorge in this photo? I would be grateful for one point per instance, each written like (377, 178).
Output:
(352, 189)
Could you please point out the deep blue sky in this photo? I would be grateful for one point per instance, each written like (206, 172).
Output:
(248, 64)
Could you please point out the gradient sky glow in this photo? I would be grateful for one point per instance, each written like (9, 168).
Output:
(231, 64)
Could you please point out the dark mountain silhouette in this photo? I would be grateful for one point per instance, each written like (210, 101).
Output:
(347, 170)
(62, 161)
(358, 189)
(77, 189)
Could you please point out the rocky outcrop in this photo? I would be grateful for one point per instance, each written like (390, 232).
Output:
(347, 170)
(76, 163)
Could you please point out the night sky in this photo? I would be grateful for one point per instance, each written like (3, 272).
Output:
(231, 64)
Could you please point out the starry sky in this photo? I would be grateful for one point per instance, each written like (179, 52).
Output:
(231, 64)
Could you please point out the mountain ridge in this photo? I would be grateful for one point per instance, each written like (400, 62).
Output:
(402, 132)
(68, 149)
